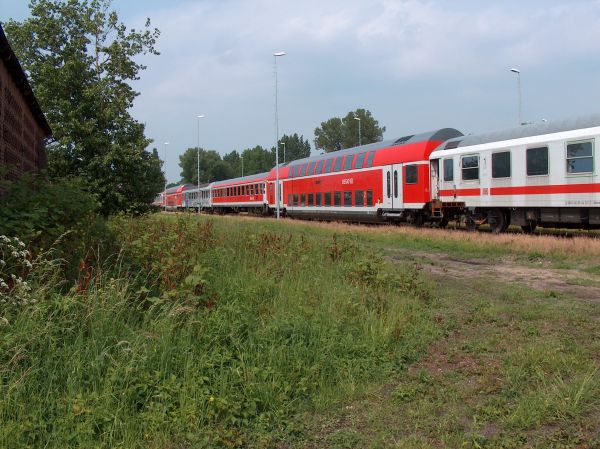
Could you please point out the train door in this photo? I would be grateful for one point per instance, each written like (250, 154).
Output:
(435, 179)
(392, 187)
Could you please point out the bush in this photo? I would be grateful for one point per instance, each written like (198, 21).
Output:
(59, 214)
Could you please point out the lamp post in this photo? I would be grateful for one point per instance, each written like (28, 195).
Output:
(242, 157)
(165, 192)
(275, 56)
(283, 143)
(198, 163)
(518, 72)
(359, 136)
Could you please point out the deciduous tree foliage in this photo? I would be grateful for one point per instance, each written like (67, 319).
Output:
(296, 147)
(212, 167)
(81, 61)
(339, 133)
(255, 160)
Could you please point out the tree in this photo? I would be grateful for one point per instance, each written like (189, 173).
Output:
(234, 160)
(212, 167)
(81, 61)
(258, 160)
(295, 148)
(330, 135)
(339, 133)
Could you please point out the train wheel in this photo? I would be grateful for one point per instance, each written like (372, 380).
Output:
(497, 221)
(470, 223)
(418, 219)
(443, 223)
(506, 220)
(529, 227)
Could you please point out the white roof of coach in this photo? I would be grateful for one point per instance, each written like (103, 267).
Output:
(537, 129)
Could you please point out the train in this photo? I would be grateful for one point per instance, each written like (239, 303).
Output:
(535, 175)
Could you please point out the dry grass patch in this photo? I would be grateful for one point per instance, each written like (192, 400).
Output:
(568, 246)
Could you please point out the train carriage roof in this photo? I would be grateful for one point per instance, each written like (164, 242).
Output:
(436, 135)
(536, 129)
(241, 180)
(386, 150)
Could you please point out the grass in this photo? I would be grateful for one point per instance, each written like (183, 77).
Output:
(225, 332)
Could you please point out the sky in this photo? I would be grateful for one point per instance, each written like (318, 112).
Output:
(417, 65)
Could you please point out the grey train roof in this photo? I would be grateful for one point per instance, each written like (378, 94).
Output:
(248, 178)
(537, 129)
(440, 134)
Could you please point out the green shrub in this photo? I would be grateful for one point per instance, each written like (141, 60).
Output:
(58, 214)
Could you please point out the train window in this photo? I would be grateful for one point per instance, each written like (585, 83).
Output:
(302, 199)
(303, 169)
(328, 165)
(370, 159)
(359, 197)
(311, 168)
(338, 164)
(320, 167)
(470, 168)
(311, 198)
(580, 157)
(337, 198)
(501, 164)
(395, 183)
(348, 199)
(348, 162)
(389, 185)
(537, 161)
(295, 199)
(318, 199)
(327, 199)
(360, 159)
(448, 170)
(411, 174)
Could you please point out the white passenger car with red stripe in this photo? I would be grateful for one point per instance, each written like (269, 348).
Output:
(533, 175)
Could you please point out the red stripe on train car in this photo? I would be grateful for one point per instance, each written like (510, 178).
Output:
(461, 192)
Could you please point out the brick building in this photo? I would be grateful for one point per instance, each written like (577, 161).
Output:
(23, 127)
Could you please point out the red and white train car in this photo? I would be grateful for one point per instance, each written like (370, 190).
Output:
(533, 175)
(174, 197)
(247, 193)
(376, 182)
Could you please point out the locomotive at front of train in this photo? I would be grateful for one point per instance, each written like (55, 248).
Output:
(382, 181)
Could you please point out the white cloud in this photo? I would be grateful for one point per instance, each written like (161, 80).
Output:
(218, 54)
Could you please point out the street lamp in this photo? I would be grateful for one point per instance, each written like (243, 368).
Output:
(275, 56)
(283, 143)
(198, 163)
(242, 157)
(518, 72)
(359, 136)
(165, 192)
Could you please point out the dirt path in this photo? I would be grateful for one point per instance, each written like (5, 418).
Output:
(571, 282)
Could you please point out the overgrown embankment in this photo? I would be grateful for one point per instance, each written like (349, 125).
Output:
(201, 333)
